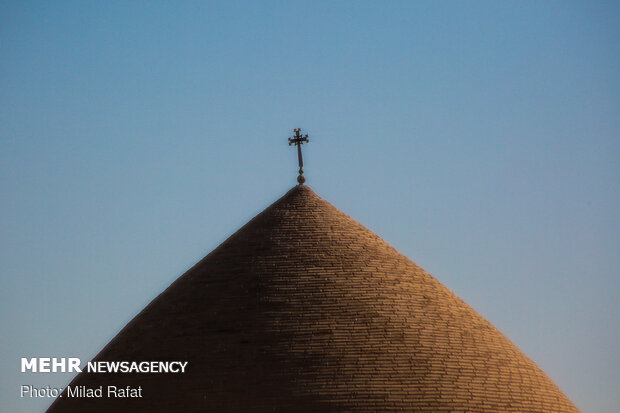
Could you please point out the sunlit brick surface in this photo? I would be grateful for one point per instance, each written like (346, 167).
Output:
(305, 310)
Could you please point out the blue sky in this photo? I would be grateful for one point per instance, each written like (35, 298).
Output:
(480, 139)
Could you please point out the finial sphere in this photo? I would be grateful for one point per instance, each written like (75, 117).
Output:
(301, 179)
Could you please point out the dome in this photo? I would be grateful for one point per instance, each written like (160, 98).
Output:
(305, 310)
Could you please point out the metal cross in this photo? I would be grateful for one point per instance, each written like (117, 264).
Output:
(298, 140)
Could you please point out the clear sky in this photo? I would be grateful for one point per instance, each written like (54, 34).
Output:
(480, 139)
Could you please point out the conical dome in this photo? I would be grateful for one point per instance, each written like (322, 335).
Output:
(305, 310)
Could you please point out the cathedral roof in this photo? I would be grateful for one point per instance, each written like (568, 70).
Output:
(305, 310)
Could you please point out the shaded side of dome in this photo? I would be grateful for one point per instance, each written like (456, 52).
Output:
(304, 309)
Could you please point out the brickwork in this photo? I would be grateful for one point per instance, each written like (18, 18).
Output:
(305, 310)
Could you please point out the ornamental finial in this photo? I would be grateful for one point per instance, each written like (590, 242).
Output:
(298, 140)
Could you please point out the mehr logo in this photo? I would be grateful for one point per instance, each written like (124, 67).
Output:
(51, 365)
(72, 364)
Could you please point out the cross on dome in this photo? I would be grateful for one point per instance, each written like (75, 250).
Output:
(298, 140)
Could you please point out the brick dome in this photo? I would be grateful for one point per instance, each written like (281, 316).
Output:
(305, 310)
